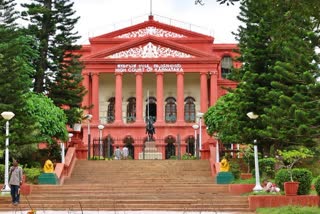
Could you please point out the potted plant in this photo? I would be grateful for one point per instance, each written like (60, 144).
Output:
(247, 153)
(289, 158)
(75, 117)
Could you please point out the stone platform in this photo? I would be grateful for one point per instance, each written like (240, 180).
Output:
(150, 152)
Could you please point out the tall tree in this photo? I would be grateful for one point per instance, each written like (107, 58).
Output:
(66, 89)
(278, 79)
(58, 69)
(8, 14)
(16, 70)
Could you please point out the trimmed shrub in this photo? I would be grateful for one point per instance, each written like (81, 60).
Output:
(235, 168)
(303, 176)
(266, 166)
(282, 176)
(317, 185)
(2, 167)
(32, 174)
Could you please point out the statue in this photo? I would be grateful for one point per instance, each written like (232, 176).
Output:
(150, 130)
(48, 167)
(224, 165)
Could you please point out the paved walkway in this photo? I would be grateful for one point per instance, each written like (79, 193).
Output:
(119, 212)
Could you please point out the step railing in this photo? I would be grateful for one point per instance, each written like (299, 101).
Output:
(64, 170)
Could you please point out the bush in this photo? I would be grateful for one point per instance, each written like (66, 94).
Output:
(317, 185)
(282, 176)
(188, 156)
(235, 169)
(266, 166)
(303, 176)
(2, 167)
(32, 174)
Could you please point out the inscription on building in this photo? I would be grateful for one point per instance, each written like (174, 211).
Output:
(148, 68)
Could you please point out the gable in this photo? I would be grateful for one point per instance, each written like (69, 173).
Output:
(152, 28)
(150, 50)
(150, 31)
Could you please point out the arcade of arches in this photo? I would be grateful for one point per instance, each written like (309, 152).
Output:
(154, 71)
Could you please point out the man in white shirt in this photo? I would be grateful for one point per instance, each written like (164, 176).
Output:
(15, 174)
(125, 152)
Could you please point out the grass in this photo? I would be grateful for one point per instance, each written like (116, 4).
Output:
(289, 210)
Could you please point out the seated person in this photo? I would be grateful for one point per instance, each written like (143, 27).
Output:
(48, 167)
(224, 165)
(269, 186)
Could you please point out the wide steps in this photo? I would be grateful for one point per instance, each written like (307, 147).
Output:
(171, 185)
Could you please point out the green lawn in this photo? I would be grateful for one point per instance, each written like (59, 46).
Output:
(289, 210)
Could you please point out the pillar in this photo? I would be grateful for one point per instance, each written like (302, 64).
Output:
(139, 98)
(203, 92)
(118, 101)
(214, 87)
(159, 97)
(86, 84)
(95, 98)
(180, 97)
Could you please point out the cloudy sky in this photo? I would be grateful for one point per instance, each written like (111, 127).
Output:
(102, 16)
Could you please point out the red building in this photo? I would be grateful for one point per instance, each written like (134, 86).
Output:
(158, 71)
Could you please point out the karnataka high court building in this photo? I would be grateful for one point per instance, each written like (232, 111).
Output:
(157, 72)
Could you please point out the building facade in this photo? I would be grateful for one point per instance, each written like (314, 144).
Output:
(158, 72)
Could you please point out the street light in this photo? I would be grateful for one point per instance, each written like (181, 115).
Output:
(89, 117)
(257, 187)
(195, 127)
(7, 115)
(200, 115)
(100, 127)
(70, 135)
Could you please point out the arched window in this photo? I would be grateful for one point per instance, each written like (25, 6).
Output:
(171, 110)
(110, 113)
(226, 65)
(131, 110)
(151, 109)
(189, 110)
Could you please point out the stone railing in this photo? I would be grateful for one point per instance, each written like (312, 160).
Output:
(64, 170)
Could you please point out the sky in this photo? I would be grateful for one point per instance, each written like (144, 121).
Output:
(103, 16)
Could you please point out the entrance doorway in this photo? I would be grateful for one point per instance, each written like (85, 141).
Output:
(190, 141)
(128, 142)
(170, 147)
(151, 109)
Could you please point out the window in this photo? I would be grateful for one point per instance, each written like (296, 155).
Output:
(226, 65)
(110, 113)
(189, 110)
(171, 110)
(131, 110)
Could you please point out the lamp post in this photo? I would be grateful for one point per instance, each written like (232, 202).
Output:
(257, 187)
(200, 115)
(89, 117)
(100, 127)
(195, 127)
(7, 115)
(70, 135)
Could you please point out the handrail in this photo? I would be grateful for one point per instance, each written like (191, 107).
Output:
(214, 166)
(64, 170)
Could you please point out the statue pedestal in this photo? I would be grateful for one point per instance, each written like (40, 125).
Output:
(48, 178)
(150, 152)
(225, 178)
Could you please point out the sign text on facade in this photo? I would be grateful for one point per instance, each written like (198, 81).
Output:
(148, 68)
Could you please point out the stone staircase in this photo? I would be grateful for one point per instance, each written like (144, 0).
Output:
(184, 185)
